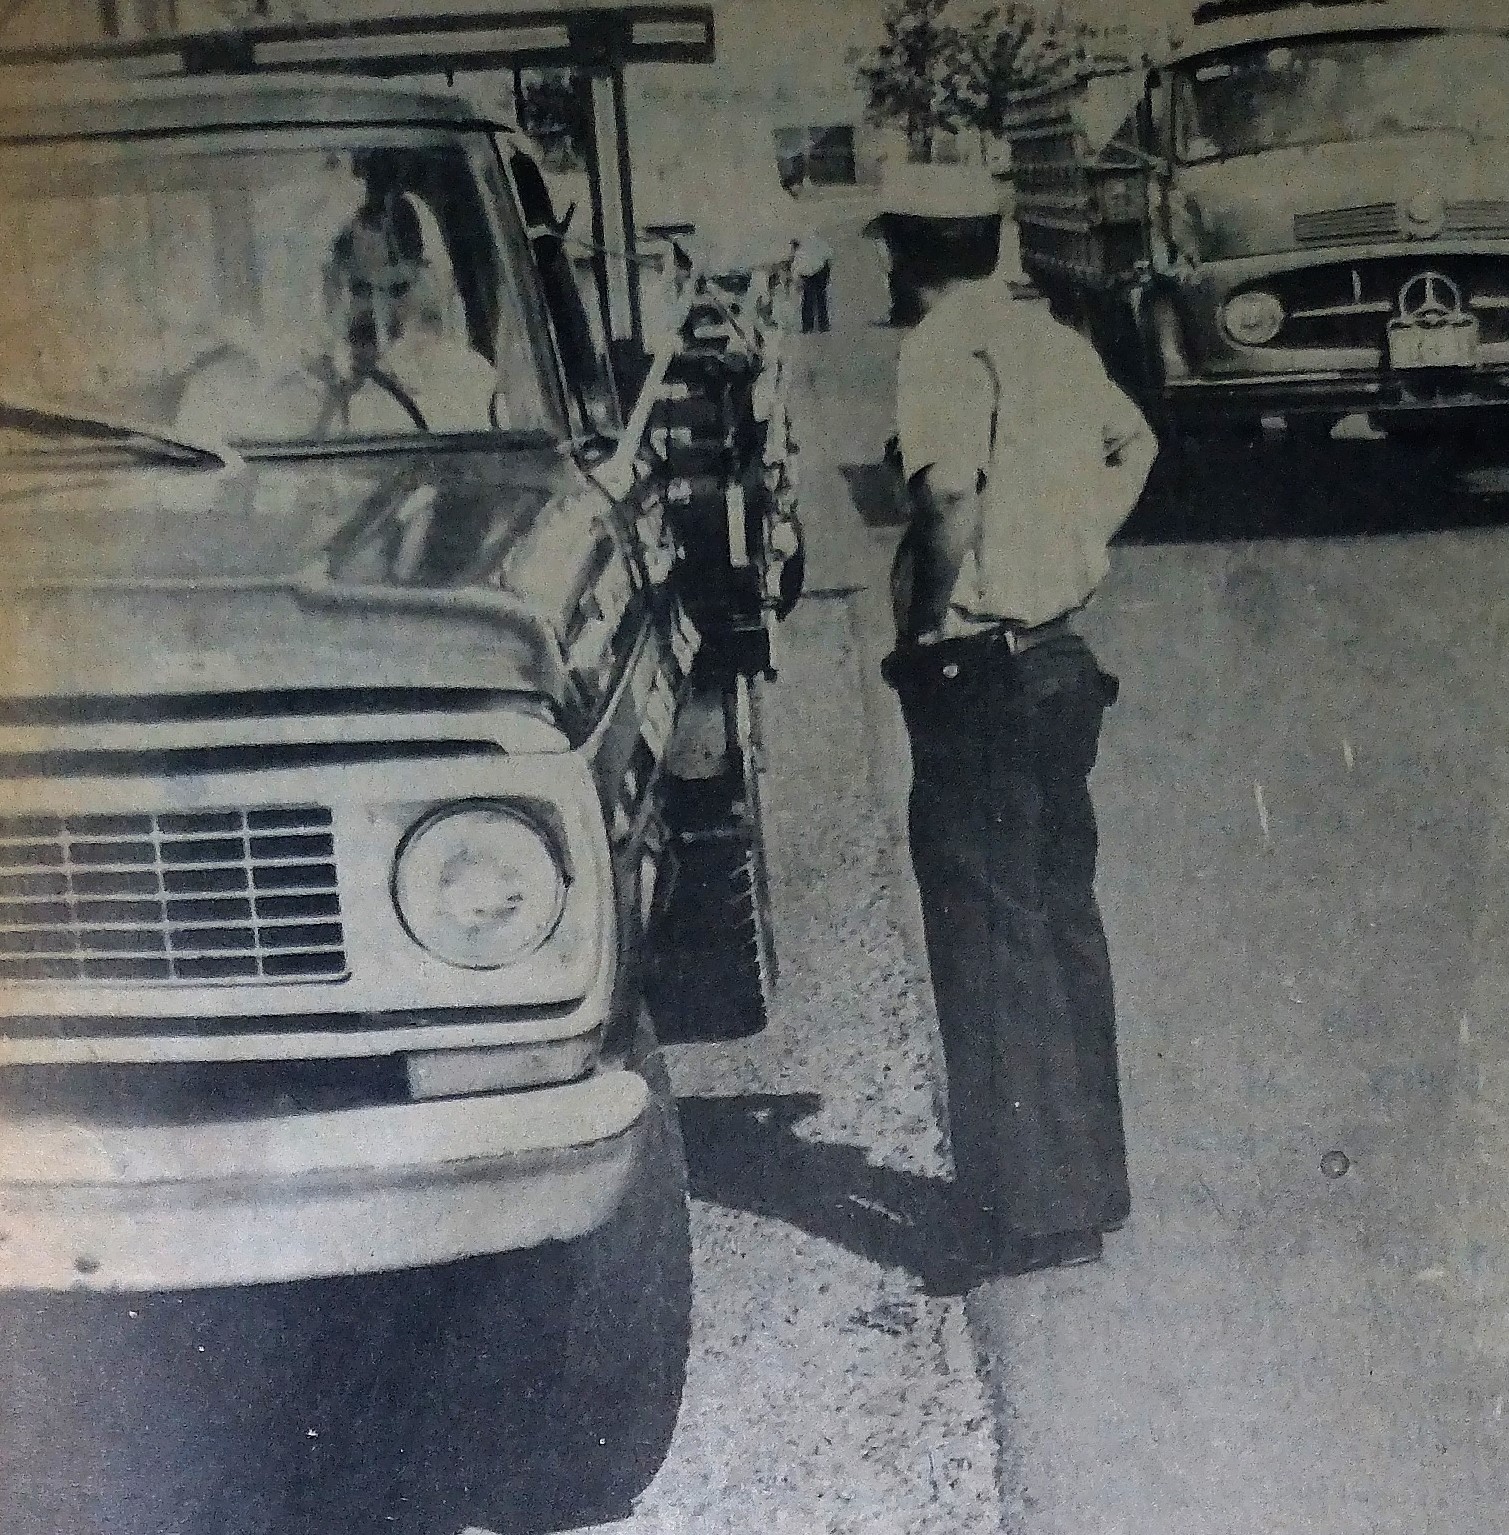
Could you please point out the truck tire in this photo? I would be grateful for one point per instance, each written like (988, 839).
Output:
(713, 968)
(616, 1399)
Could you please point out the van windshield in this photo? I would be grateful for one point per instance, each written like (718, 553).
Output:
(269, 294)
(1332, 90)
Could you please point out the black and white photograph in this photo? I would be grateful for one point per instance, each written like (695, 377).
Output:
(754, 767)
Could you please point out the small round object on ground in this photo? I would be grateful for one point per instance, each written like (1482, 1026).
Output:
(1335, 1164)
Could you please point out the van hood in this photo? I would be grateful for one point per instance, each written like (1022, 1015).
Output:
(122, 580)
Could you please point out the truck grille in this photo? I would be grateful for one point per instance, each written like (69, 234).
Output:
(1350, 305)
(1489, 216)
(197, 896)
(1346, 226)
(1372, 222)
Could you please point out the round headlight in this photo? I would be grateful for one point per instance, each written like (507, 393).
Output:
(478, 886)
(1253, 319)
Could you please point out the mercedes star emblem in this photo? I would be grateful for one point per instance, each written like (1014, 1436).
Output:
(1430, 299)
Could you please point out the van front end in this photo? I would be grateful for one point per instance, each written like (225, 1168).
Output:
(338, 1015)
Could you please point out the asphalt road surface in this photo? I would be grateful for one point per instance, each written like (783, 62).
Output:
(1303, 798)
(1305, 825)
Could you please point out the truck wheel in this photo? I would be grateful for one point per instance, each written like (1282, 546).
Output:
(615, 1402)
(545, 1385)
(713, 970)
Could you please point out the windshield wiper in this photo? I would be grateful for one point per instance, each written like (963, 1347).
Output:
(55, 421)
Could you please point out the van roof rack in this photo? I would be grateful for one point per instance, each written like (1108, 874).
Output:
(596, 39)
(585, 36)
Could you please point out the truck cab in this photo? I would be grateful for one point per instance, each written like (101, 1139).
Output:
(349, 657)
(1318, 226)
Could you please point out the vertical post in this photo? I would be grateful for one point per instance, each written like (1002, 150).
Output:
(610, 154)
(583, 87)
(626, 194)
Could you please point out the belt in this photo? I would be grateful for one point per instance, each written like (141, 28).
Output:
(1015, 637)
(1023, 637)
(926, 662)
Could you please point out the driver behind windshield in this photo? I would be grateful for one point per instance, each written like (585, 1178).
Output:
(390, 289)
(394, 356)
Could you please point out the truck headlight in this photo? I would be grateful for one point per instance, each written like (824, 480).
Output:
(1253, 319)
(478, 885)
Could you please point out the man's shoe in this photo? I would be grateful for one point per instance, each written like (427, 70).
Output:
(1059, 1249)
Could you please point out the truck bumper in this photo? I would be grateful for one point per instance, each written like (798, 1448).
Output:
(91, 1207)
(1341, 392)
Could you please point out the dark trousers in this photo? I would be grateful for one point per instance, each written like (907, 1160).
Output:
(1004, 844)
(815, 300)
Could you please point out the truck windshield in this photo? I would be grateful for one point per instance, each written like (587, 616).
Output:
(1333, 90)
(271, 295)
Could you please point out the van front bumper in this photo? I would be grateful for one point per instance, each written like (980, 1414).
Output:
(86, 1206)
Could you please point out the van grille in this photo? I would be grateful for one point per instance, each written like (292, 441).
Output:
(197, 896)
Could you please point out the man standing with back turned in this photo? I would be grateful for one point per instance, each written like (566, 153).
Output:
(812, 266)
(1021, 460)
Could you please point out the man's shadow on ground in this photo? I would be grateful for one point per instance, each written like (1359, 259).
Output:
(745, 1154)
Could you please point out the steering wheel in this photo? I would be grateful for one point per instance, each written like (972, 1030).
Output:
(223, 354)
(336, 391)
(209, 411)
(341, 391)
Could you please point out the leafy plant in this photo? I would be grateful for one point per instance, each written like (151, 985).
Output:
(904, 77)
(1011, 48)
(931, 75)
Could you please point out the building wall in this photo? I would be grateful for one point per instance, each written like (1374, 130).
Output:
(700, 133)
(780, 67)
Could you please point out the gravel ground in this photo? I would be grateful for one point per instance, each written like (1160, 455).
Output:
(833, 1384)
(832, 1387)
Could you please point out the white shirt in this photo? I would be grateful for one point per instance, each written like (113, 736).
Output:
(812, 254)
(1070, 458)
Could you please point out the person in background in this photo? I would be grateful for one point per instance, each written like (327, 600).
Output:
(1021, 460)
(812, 267)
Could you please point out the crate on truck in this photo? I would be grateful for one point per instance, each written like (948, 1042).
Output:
(1078, 181)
